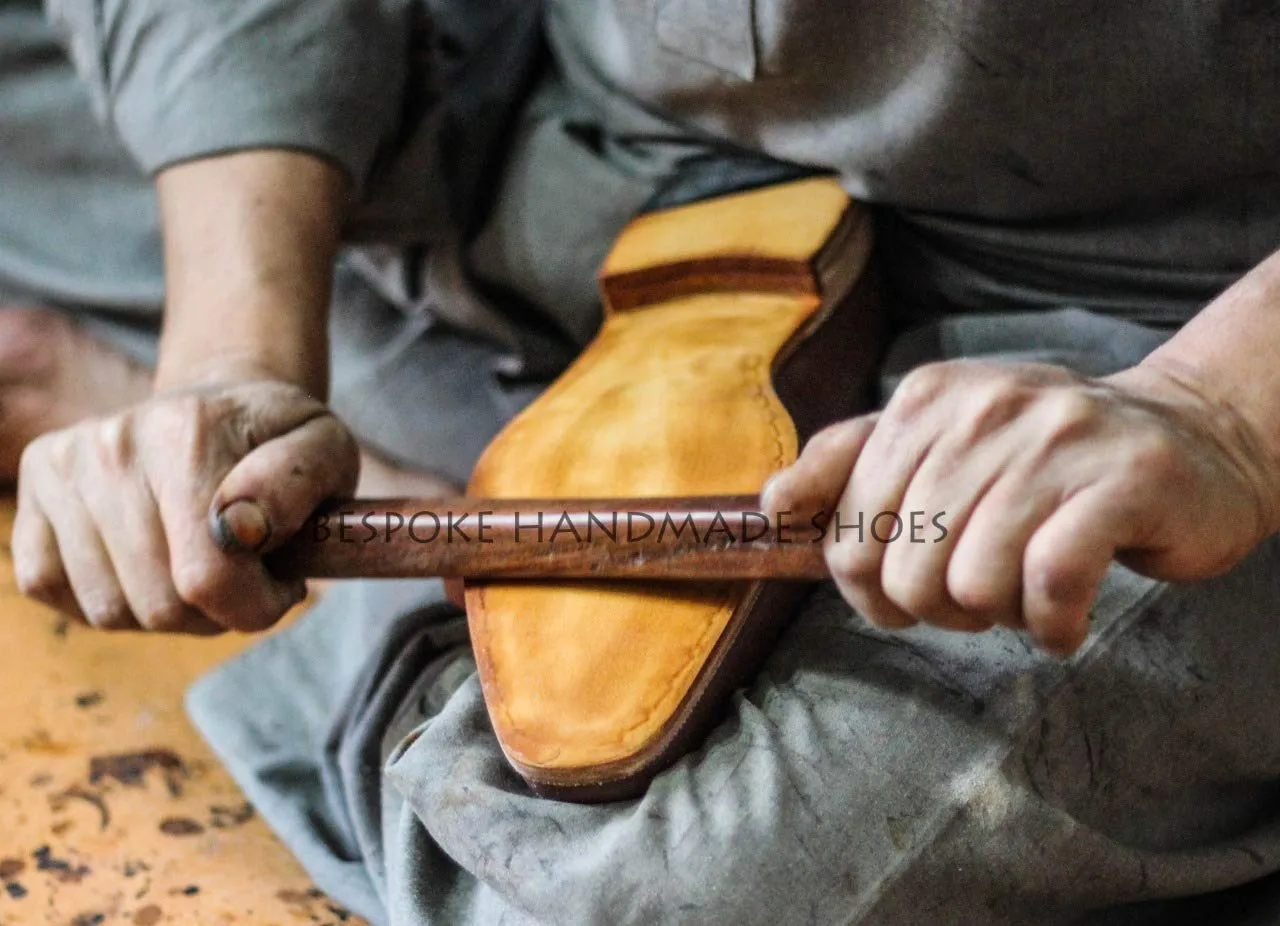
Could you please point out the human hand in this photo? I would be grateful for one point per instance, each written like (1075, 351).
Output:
(1044, 477)
(119, 517)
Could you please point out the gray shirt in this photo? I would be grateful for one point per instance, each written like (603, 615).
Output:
(1120, 156)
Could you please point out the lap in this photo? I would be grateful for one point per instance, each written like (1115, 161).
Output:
(864, 777)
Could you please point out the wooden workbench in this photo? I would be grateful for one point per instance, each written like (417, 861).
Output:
(112, 809)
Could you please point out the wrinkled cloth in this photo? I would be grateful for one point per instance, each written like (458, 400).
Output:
(1117, 157)
(865, 777)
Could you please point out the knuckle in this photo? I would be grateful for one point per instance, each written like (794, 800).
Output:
(167, 615)
(63, 451)
(111, 443)
(37, 580)
(920, 388)
(175, 420)
(51, 452)
(913, 593)
(829, 438)
(1071, 414)
(199, 584)
(997, 404)
(1048, 578)
(974, 591)
(34, 457)
(851, 561)
(107, 612)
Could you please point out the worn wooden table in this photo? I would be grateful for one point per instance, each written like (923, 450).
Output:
(112, 809)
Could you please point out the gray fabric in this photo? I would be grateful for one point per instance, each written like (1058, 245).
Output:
(77, 220)
(423, 395)
(184, 78)
(1120, 157)
(863, 778)
(1124, 157)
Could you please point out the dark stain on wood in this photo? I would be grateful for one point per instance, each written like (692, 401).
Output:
(97, 801)
(60, 868)
(130, 769)
(89, 699)
(41, 743)
(10, 868)
(15, 890)
(88, 919)
(133, 868)
(191, 890)
(222, 817)
(148, 916)
(180, 826)
(306, 903)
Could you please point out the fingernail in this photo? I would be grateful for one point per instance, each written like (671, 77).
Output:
(241, 527)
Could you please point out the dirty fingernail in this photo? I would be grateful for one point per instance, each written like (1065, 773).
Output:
(241, 527)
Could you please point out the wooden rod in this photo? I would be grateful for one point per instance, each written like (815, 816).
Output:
(707, 538)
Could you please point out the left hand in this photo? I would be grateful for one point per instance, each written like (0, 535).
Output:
(1044, 477)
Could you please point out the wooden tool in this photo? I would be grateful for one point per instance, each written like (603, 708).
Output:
(734, 328)
(714, 537)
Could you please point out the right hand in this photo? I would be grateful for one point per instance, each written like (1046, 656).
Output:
(118, 517)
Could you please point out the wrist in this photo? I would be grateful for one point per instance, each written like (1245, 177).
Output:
(229, 367)
(1203, 408)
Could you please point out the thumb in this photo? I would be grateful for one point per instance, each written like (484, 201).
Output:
(270, 493)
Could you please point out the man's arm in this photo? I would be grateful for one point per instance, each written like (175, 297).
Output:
(249, 243)
(1229, 355)
(258, 119)
(114, 516)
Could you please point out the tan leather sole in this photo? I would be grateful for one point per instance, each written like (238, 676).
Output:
(593, 688)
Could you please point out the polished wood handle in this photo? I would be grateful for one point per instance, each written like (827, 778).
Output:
(707, 538)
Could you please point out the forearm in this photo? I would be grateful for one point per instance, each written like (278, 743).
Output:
(249, 244)
(1228, 358)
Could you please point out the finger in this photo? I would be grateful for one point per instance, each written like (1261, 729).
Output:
(985, 569)
(883, 472)
(89, 570)
(1065, 562)
(815, 482)
(133, 535)
(863, 592)
(872, 604)
(235, 591)
(37, 564)
(913, 574)
(860, 529)
(268, 495)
